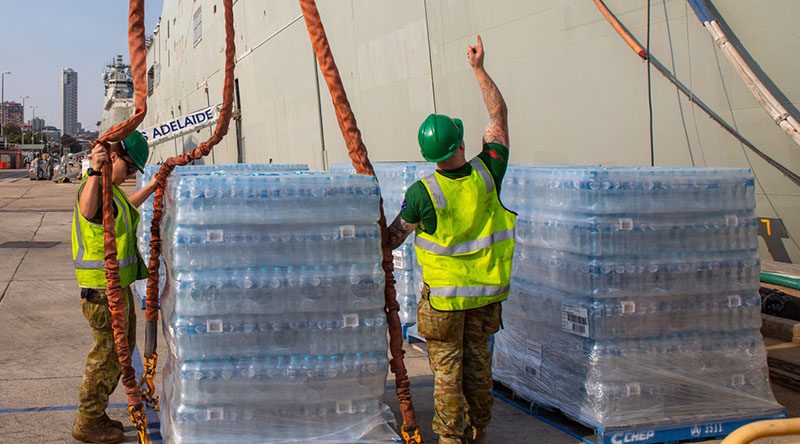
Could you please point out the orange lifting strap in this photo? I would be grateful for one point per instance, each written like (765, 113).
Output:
(138, 54)
(362, 165)
(151, 311)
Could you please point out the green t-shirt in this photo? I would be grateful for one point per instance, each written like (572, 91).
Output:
(418, 207)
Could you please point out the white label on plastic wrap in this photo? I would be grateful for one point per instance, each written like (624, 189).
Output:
(215, 235)
(533, 359)
(344, 407)
(626, 224)
(633, 389)
(399, 262)
(734, 300)
(737, 380)
(350, 320)
(347, 231)
(575, 320)
(628, 307)
(214, 414)
(214, 325)
(731, 220)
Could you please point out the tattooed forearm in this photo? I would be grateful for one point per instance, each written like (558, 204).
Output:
(399, 231)
(497, 131)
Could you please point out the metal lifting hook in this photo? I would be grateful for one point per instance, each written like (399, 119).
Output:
(139, 420)
(409, 438)
(147, 384)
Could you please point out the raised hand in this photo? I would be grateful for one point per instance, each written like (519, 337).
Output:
(475, 53)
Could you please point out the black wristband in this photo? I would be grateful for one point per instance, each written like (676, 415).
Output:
(92, 172)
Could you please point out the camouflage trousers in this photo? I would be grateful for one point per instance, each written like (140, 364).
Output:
(459, 356)
(102, 372)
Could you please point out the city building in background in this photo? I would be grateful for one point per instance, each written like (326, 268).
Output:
(12, 113)
(37, 124)
(69, 101)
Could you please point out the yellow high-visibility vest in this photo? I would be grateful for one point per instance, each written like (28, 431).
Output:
(467, 260)
(87, 245)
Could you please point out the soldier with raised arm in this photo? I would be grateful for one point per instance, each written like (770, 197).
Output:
(464, 244)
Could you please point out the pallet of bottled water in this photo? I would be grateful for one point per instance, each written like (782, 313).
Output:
(638, 190)
(272, 310)
(394, 179)
(634, 296)
(146, 209)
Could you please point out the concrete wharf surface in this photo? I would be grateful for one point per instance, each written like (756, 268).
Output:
(44, 337)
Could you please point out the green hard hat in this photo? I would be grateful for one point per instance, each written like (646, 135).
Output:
(136, 147)
(439, 137)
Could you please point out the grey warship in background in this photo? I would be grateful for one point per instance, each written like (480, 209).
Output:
(118, 98)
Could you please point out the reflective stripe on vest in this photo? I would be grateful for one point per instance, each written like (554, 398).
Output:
(469, 292)
(466, 262)
(101, 264)
(436, 191)
(481, 169)
(464, 247)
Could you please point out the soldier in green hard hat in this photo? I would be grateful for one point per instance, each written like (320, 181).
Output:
(102, 372)
(464, 244)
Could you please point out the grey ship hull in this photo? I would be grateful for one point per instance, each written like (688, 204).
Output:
(575, 92)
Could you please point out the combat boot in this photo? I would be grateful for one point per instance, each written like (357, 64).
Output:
(112, 422)
(96, 431)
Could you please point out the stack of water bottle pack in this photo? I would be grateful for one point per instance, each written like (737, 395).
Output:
(146, 209)
(634, 295)
(394, 179)
(272, 309)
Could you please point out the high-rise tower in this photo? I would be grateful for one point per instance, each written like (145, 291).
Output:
(69, 102)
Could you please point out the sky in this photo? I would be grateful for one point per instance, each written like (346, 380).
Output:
(39, 38)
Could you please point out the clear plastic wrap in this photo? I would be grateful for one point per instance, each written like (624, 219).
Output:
(394, 179)
(665, 380)
(639, 190)
(146, 209)
(272, 310)
(634, 295)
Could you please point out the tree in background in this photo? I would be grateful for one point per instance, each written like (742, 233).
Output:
(13, 132)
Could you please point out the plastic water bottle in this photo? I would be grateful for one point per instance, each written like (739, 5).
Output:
(317, 333)
(295, 377)
(293, 284)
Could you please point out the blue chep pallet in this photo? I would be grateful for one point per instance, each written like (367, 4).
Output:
(406, 328)
(412, 335)
(594, 433)
(677, 433)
